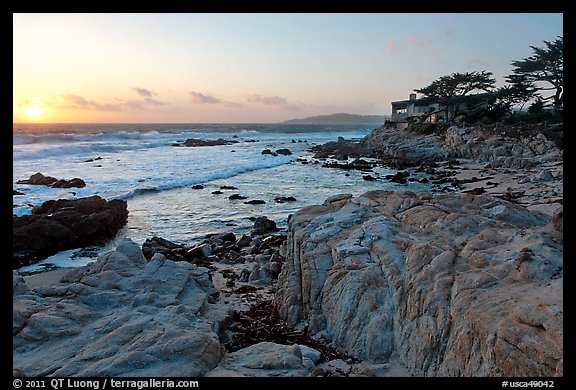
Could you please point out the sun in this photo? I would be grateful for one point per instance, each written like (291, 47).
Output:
(33, 109)
(34, 112)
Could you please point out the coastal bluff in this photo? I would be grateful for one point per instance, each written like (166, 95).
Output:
(448, 285)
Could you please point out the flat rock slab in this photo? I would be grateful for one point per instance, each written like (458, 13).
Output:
(263, 359)
(118, 316)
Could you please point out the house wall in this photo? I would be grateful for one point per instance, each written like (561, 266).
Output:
(419, 110)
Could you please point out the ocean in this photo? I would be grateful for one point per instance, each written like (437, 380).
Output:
(139, 163)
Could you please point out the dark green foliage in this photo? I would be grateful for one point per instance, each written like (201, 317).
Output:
(520, 91)
(537, 107)
(428, 128)
(503, 105)
(423, 128)
(451, 91)
(546, 65)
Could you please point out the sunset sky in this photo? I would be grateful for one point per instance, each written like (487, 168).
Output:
(251, 67)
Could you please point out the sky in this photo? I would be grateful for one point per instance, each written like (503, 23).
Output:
(251, 68)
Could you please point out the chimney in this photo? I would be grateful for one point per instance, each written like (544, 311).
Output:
(412, 96)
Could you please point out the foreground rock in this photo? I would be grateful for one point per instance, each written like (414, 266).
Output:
(262, 360)
(57, 225)
(453, 285)
(254, 259)
(119, 316)
(126, 316)
(168, 249)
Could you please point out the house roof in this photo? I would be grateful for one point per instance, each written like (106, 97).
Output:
(405, 102)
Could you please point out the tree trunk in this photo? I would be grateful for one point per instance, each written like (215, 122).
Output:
(558, 100)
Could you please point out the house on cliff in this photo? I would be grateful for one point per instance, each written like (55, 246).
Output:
(405, 110)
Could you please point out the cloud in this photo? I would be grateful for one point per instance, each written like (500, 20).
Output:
(267, 100)
(413, 42)
(275, 101)
(409, 44)
(200, 98)
(448, 32)
(203, 98)
(144, 92)
(394, 48)
(141, 104)
(25, 103)
(475, 63)
(81, 103)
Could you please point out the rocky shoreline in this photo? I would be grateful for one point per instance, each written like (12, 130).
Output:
(521, 165)
(463, 281)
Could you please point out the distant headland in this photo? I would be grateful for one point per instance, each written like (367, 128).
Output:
(340, 118)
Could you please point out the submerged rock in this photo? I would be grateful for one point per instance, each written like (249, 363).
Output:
(284, 199)
(256, 201)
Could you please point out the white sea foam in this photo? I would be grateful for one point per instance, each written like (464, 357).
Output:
(134, 162)
(138, 163)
